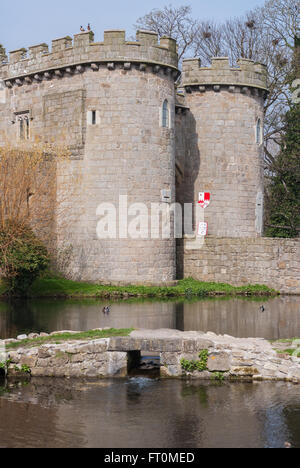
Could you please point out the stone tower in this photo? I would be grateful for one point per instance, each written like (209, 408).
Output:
(113, 104)
(225, 147)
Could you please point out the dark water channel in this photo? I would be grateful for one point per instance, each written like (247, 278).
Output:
(236, 317)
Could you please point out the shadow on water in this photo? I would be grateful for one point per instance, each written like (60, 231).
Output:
(232, 316)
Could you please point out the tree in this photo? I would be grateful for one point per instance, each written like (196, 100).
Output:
(282, 20)
(250, 37)
(236, 38)
(30, 208)
(172, 22)
(283, 191)
(28, 187)
(283, 194)
(22, 258)
(208, 42)
(265, 35)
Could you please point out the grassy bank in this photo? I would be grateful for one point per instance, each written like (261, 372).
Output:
(61, 288)
(61, 337)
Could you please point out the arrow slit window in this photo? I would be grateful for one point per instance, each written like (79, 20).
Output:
(258, 132)
(23, 120)
(166, 115)
(93, 117)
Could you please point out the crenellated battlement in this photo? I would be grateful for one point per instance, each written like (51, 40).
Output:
(74, 54)
(248, 74)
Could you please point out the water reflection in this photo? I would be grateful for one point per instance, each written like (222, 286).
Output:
(149, 413)
(236, 317)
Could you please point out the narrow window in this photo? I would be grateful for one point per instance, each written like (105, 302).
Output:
(23, 119)
(92, 117)
(165, 115)
(21, 128)
(26, 122)
(258, 132)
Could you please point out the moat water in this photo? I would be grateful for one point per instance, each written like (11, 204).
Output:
(138, 412)
(235, 317)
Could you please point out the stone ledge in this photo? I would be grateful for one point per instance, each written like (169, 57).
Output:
(229, 358)
(80, 67)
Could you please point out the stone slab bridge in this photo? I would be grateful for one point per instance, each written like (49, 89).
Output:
(251, 359)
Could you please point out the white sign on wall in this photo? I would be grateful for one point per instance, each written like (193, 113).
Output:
(202, 229)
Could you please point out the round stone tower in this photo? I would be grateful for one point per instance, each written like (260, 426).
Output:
(130, 158)
(113, 104)
(225, 119)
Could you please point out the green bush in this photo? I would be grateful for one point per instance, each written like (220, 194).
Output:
(192, 366)
(219, 376)
(22, 258)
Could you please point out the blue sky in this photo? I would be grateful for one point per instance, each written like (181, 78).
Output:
(30, 22)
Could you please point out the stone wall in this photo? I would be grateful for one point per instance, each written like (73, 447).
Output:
(273, 262)
(238, 359)
(77, 359)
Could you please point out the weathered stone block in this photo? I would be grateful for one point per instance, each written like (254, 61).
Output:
(117, 364)
(162, 345)
(29, 361)
(191, 346)
(124, 344)
(44, 352)
(219, 362)
(170, 358)
(170, 371)
(75, 358)
(14, 356)
(98, 346)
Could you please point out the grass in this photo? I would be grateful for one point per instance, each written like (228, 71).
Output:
(281, 346)
(287, 340)
(60, 338)
(63, 288)
(290, 352)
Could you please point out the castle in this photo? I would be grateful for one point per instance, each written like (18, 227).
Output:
(133, 132)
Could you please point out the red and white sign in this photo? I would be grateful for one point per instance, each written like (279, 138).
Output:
(202, 229)
(204, 199)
